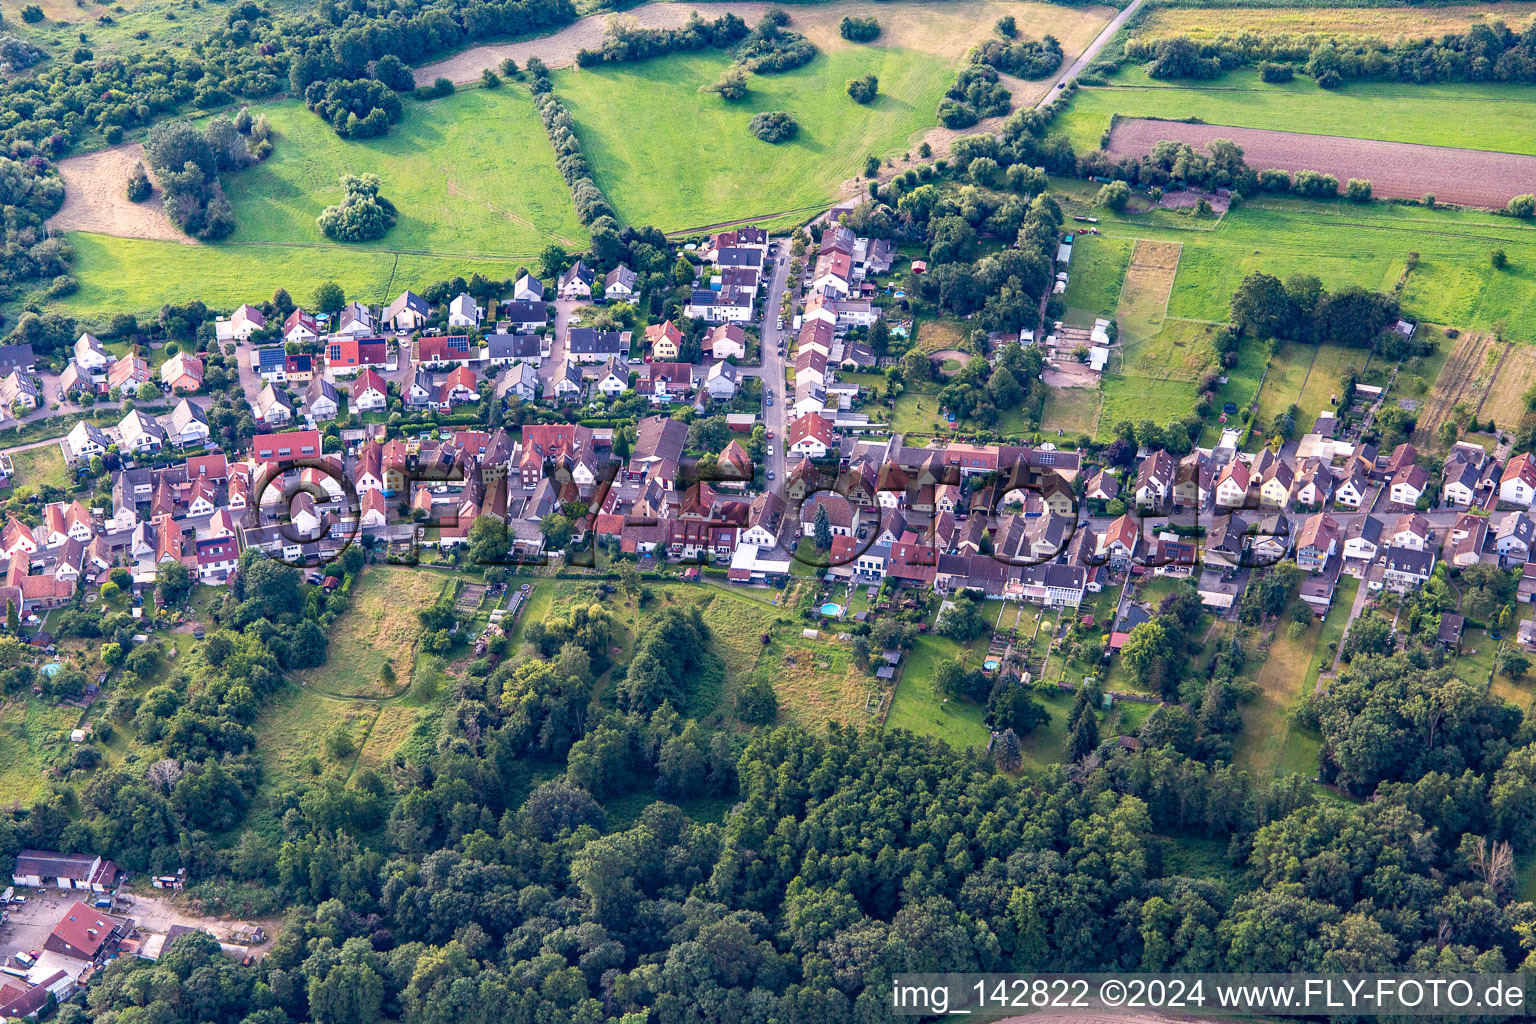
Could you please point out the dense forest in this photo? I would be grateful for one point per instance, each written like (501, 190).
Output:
(459, 887)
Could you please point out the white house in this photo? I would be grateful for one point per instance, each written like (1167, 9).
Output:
(86, 440)
(528, 289)
(1517, 485)
(613, 379)
(140, 433)
(726, 341)
(720, 382)
(368, 391)
(189, 424)
(619, 285)
(91, 354)
(811, 435)
(576, 283)
(462, 311)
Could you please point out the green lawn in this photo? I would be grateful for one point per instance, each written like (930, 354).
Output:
(1096, 274)
(666, 154)
(1486, 116)
(921, 708)
(1242, 384)
(39, 467)
(1142, 398)
(31, 730)
(472, 175)
(1344, 243)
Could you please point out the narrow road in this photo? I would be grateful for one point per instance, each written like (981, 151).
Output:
(1078, 66)
(774, 416)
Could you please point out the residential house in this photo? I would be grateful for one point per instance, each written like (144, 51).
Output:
(286, 447)
(271, 364)
(810, 435)
(354, 322)
(1276, 479)
(346, 353)
(1314, 484)
(568, 383)
(91, 355)
(182, 372)
(188, 425)
(613, 379)
(766, 520)
(17, 359)
(242, 323)
(217, 558)
(503, 349)
(528, 289)
(728, 305)
(726, 341)
(1517, 484)
(409, 312)
(1363, 540)
(1352, 489)
(321, 399)
(811, 368)
(273, 407)
(300, 328)
(586, 345)
(1411, 531)
(1408, 485)
(1317, 542)
(1232, 484)
(619, 284)
(522, 382)
(440, 351)
(840, 514)
(18, 394)
(463, 312)
(17, 539)
(1460, 479)
(460, 387)
(368, 392)
(1514, 537)
(576, 283)
(140, 433)
(73, 380)
(1195, 481)
(663, 340)
(1119, 542)
(1101, 486)
(1154, 480)
(128, 373)
(422, 393)
(299, 367)
(720, 382)
(85, 440)
(1403, 455)
(1406, 569)
(525, 316)
(87, 934)
(1464, 542)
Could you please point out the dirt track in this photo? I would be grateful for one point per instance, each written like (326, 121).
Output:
(95, 199)
(945, 30)
(1396, 170)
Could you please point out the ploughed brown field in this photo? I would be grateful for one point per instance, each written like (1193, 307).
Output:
(1396, 170)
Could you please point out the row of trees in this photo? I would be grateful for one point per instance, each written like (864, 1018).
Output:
(1490, 52)
(1301, 309)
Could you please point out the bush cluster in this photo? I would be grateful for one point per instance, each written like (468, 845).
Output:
(356, 109)
(187, 163)
(362, 215)
(626, 41)
(864, 90)
(770, 47)
(1026, 59)
(859, 30)
(976, 94)
(774, 126)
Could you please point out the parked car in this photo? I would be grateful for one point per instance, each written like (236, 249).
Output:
(770, 451)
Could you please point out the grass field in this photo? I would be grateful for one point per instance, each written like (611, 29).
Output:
(1241, 387)
(1488, 116)
(1329, 365)
(469, 199)
(30, 730)
(1282, 385)
(1072, 410)
(1504, 400)
(1343, 243)
(1144, 293)
(1415, 21)
(1463, 380)
(1142, 398)
(921, 708)
(669, 156)
(39, 467)
(1097, 274)
(380, 626)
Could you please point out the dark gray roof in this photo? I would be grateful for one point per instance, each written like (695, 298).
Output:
(527, 311)
(512, 346)
(587, 341)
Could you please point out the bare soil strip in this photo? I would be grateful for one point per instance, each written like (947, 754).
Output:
(1462, 377)
(1396, 170)
(944, 30)
(95, 198)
